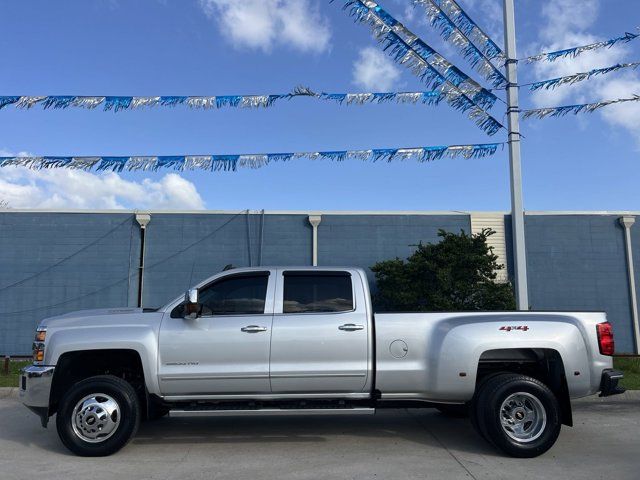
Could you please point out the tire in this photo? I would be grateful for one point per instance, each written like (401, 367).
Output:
(454, 410)
(473, 407)
(518, 414)
(98, 416)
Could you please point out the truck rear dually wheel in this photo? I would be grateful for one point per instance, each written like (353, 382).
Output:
(518, 414)
(98, 416)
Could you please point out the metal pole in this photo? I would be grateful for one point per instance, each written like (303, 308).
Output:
(315, 220)
(627, 223)
(515, 167)
(143, 220)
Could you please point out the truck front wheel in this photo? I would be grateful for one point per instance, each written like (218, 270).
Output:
(98, 416)
(518, 414)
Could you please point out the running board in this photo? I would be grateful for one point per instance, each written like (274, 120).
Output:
(271, 412)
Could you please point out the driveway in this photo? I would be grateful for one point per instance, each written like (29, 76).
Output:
(393, 444)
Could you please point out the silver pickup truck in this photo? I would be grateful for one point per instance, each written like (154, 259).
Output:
(304, 340)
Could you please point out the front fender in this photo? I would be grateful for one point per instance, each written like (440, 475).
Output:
(139, 338)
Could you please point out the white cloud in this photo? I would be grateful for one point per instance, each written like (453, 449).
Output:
(566, 16)
(565, 24)
(262, 24)
(374, 71)
(488, 15)
(625, 115)
(21, 187)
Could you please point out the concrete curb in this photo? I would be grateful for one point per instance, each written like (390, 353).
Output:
(628, 396)
(8, 392)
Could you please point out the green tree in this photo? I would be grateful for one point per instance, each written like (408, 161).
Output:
(457, 274)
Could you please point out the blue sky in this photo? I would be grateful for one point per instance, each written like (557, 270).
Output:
(216, 47)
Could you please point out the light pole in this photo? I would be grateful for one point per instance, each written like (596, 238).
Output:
(515, 166)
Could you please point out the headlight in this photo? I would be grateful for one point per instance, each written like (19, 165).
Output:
(38, 344)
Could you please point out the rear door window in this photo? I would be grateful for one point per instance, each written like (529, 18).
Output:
(317, 292)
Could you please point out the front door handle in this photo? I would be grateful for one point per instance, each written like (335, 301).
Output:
(253, 329)
(350, 327)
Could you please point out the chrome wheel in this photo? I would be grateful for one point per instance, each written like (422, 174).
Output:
(95, 418)
(523, 417)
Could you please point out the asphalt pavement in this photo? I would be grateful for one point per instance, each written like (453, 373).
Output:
(393, 444)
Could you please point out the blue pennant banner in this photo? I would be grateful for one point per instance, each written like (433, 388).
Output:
(479, 60)
(459, 91)
(575, 51)
(541, 113)
(382, 23)
(579, 77)
(118, 103)
(234, 162)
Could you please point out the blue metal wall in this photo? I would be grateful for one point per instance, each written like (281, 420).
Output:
(363, 240)
(182, 250)
(55, 263)
(578, 262)
(52, 263)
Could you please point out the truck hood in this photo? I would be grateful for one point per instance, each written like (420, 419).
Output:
(102, 317)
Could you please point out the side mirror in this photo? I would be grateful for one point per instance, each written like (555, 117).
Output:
(191, 296)
(191, 304)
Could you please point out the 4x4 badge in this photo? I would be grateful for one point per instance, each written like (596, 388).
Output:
(524, 328)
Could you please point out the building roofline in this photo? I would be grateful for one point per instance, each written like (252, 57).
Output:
(321, 212)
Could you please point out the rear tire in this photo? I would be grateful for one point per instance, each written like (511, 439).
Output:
(518, 414)
(98, 416)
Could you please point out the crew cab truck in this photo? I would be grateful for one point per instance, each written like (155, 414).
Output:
(304, 340)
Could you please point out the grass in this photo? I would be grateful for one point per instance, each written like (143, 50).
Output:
(631, 368)
(11, 380)
(629, 365)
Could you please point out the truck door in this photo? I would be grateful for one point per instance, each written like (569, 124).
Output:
(320, 334)
(226, 349)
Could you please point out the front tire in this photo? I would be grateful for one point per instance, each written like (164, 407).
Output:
(98, 416)
(518, 414)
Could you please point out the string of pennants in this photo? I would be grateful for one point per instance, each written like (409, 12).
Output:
(541, 113)
(460, 91)
(457, 27)
(234, 162)
(118, 103)
(446, 82)
(576, 51)
(579, 77)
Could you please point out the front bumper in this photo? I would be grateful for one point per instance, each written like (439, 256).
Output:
(609, 383)
(35, 388)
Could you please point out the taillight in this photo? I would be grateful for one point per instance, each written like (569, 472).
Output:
(605, 338)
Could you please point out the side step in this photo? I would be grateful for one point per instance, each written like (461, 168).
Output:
(271, 412)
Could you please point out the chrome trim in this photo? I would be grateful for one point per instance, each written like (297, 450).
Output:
(210, 377)
(253, 329)
(272, 412)
(350, 327)
(523, 417)
(96, 418)
(352, 396)
(319, 375)
(37, 380)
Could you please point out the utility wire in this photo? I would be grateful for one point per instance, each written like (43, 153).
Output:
(65, 302)
(50, 267)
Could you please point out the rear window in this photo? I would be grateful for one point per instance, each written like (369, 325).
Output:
(306, 292)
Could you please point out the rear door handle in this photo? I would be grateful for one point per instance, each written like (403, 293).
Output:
(253, 329)
(350, 327)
